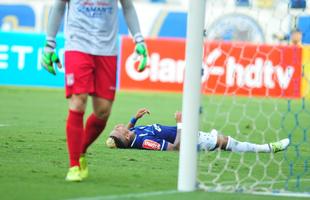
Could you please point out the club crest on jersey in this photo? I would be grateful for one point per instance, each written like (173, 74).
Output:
(150, 144)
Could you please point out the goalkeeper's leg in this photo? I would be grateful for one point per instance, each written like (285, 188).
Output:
(95, 124)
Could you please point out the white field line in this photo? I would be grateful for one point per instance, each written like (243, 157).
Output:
(283, 194)
(232, 183)
(228, 188)
(127, 196)
(159, 193)
(4, 125)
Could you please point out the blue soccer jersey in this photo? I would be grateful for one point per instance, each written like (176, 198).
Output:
(153, 137)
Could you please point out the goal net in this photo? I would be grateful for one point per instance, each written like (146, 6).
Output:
(255, 89)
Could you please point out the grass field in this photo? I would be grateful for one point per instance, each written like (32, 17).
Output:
(33, 154)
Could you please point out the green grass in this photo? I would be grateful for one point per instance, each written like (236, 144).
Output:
(33, 154)
(259, 120)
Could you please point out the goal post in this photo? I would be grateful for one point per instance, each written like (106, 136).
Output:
(255, 89)
(191, 96)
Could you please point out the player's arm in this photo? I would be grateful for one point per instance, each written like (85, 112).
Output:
(140, 113)
(49, 57)
(134, 27)
(176, 144)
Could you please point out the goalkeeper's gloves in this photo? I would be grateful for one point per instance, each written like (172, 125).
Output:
(49, 57)
(141, 51)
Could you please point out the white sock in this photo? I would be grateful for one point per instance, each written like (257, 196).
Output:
(237, 146)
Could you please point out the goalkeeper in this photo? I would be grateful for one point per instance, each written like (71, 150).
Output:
(91, 35)
(159, 137)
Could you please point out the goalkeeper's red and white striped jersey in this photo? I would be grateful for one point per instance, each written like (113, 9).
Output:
(91, 26)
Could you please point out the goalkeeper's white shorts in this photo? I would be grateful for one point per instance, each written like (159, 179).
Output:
(207, 140)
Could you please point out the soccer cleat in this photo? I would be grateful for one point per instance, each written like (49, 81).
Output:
(83, 167)
(74, 174)
(280, 145)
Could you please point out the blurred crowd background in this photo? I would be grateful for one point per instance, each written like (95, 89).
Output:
(262, 21)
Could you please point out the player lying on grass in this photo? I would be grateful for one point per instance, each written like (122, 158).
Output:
(160, 137)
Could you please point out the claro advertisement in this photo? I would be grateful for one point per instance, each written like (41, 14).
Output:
(228, 68)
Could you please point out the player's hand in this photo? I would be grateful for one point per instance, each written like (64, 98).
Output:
(141, 51)
(178, 116)
(142, 112)
(49, 58)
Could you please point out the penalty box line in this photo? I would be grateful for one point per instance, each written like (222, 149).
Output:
(127, 196)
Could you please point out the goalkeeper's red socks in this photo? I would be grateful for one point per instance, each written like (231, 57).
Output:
(94, 127)
(74, 131)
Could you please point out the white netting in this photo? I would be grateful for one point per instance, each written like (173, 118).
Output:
(255, 92)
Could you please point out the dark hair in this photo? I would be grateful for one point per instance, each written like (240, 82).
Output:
(118, 142)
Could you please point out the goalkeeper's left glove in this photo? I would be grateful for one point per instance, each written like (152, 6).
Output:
(49, 57)
(141, 50)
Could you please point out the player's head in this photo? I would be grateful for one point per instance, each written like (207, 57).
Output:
(120, 137)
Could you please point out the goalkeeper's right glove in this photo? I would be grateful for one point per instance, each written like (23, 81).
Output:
(49, 57)
(141, 51)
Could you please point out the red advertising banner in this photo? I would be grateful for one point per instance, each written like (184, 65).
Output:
(229, 68)
(165, 70)
(252, 70)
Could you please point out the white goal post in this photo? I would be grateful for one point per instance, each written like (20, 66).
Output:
(191, 96)
(255, 89)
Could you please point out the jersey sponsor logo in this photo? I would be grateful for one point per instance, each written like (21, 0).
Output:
(95, 9)
(150, 144)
